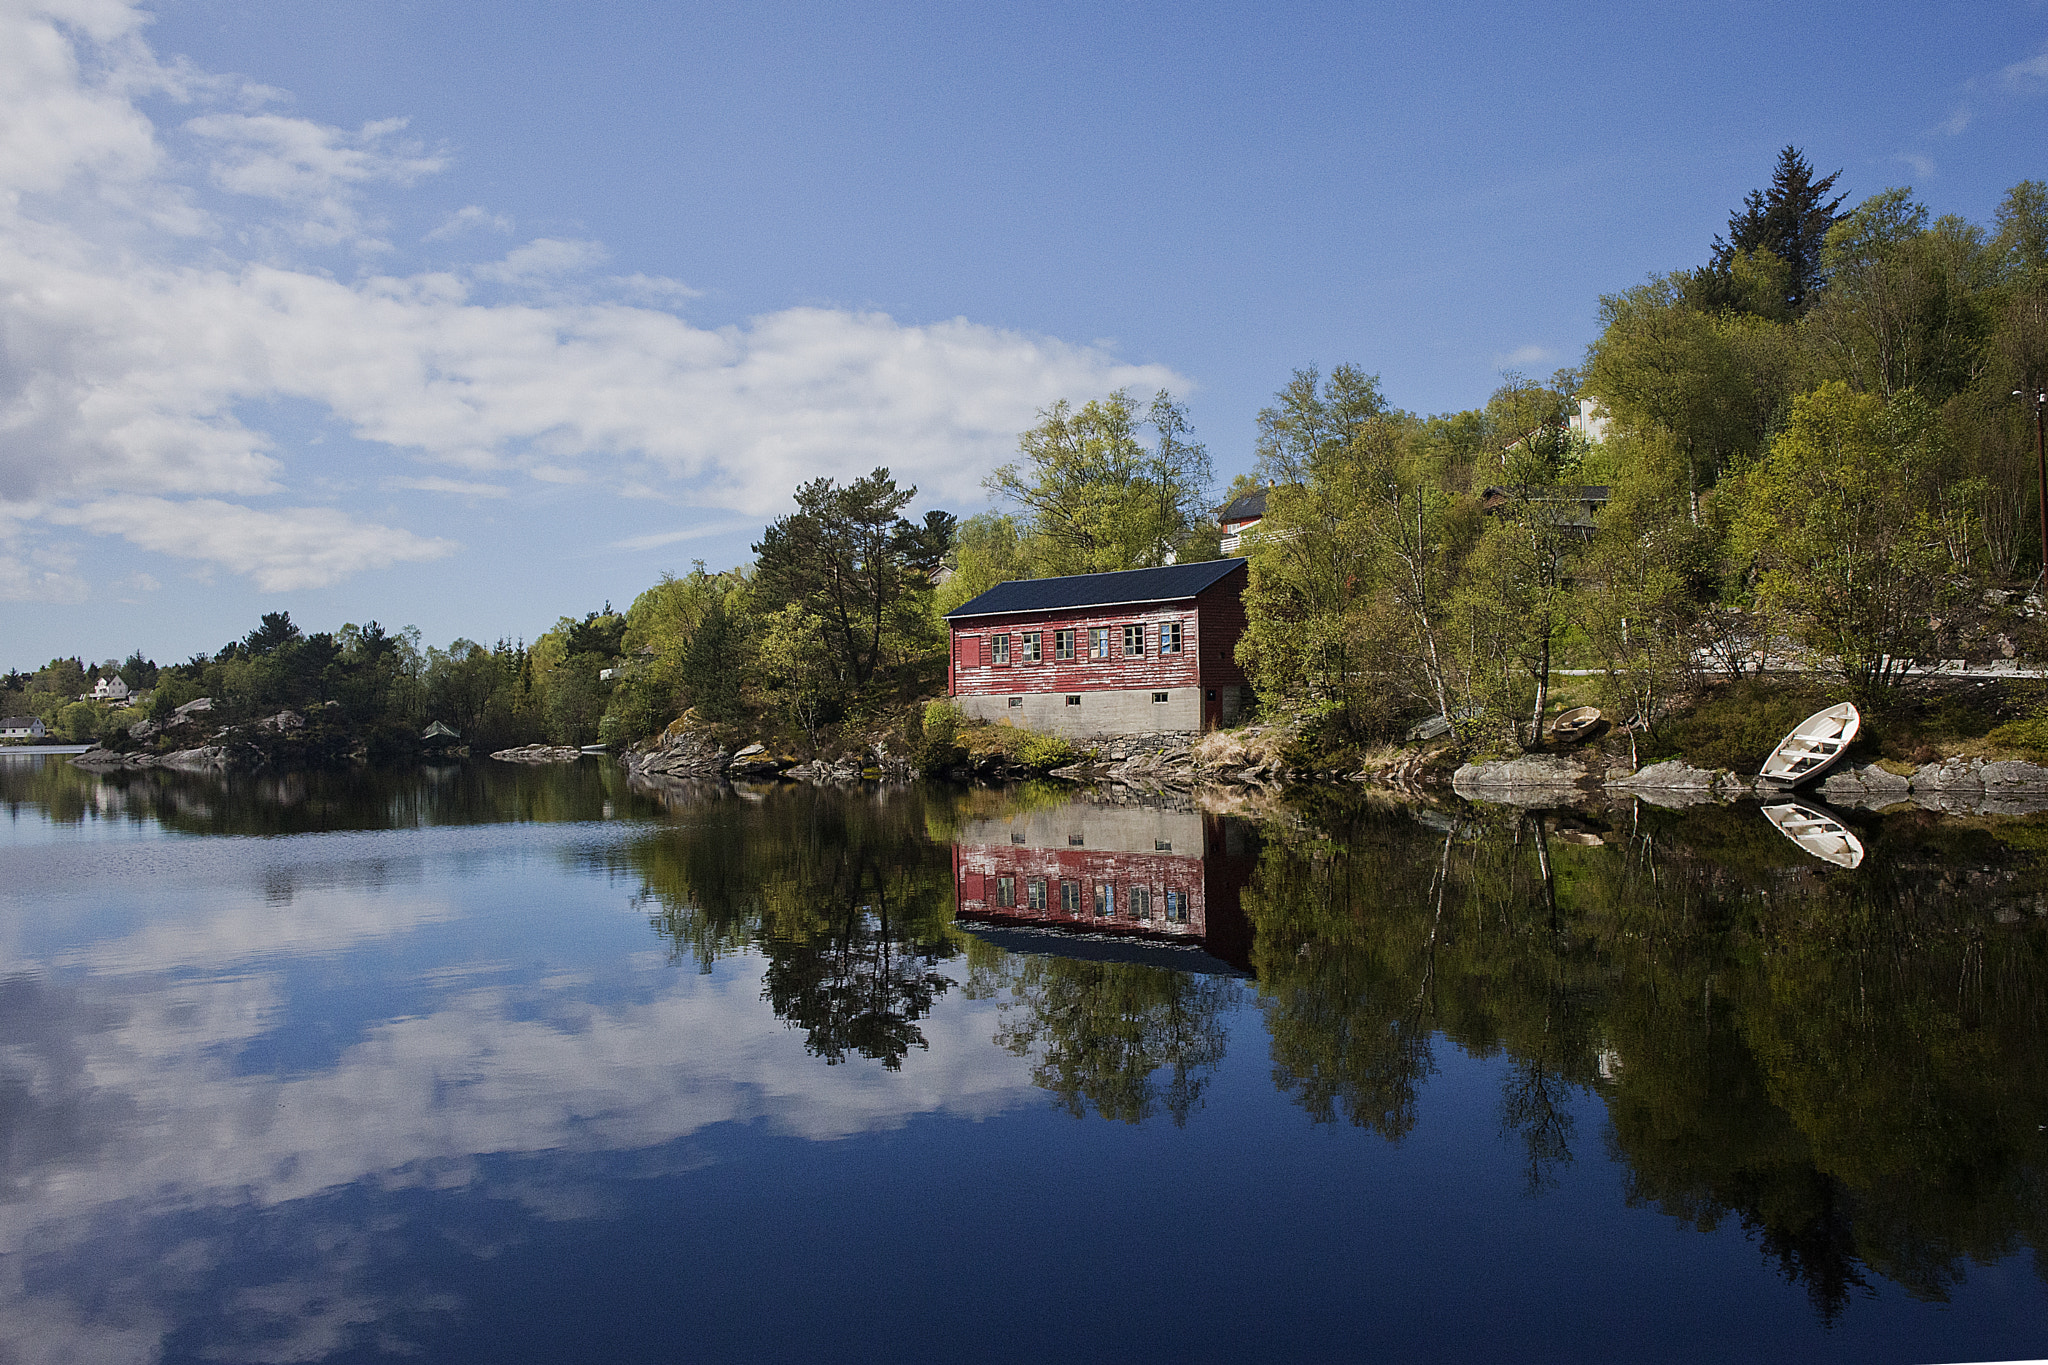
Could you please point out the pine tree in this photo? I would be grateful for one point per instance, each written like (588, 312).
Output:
(1791, 221)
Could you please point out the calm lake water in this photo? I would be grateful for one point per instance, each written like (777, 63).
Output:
(497, 1064)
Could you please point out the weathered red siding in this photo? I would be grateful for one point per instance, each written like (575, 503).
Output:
(1211, 623)
(1222, 611)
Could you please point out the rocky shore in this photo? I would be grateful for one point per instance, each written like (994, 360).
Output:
(1972, 785)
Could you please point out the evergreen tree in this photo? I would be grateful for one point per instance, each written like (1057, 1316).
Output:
(1790, 221)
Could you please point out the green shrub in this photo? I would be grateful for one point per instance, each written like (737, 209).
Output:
(2029, 736)
(936, 736)
(1043, 751)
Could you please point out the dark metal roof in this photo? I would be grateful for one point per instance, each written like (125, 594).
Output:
(1245, 508)
(1131, 586)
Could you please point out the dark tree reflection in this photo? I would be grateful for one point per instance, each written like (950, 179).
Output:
(1849, 1064)
(1126, 1039)
(847, 899)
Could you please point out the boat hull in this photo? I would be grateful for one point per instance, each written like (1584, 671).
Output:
(1815, 745)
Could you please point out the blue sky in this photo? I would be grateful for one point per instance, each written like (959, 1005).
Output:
(472, 316)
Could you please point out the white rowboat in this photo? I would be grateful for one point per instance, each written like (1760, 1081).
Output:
(1813, 746)
(1817, 832)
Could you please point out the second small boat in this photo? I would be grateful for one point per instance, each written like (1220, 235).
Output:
(1575, 724)
(1813, 746)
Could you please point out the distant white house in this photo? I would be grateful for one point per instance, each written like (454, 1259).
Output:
(109, 688)
(1590, 421)
(22, 727)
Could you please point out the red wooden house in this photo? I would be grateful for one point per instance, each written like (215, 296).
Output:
(1136, 652)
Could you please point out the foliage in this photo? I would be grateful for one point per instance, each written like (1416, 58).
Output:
(849, 561)
(1843, 522)
(1787, 223)
(1097, 499)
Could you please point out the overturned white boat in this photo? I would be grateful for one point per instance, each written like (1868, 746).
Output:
(1813, 746)
(1816, 831)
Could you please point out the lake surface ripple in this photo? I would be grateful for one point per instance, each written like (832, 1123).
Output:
(491, 1063)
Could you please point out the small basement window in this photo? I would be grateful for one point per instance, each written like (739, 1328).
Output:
(1158, 696)
(1016, 702)
(1073, 701)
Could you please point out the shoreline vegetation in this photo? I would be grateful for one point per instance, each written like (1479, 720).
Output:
(1793, 475)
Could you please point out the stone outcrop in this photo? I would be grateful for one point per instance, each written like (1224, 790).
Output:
(539, 753)
(1530, 780)
(679, 753)
(1866, 784)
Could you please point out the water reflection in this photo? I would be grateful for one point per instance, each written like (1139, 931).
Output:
(1118, 932)
(548, 992)
(1850, 1066)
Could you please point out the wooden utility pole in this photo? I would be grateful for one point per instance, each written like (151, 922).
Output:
(2041, 470)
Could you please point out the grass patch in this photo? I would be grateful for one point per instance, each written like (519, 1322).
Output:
(1735, 726)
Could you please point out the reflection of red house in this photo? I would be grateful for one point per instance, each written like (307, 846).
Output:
(1134, 873)
(1137, 652)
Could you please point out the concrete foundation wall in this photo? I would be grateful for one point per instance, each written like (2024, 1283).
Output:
(1111, 712)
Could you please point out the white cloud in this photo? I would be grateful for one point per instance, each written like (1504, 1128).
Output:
(541, 259)
(461, 487)
(1524, 356)
(139, 347)
(658, 539)
(317, 170)
(655, 289)
(468, 219)
(2030, 74)
(284, 549)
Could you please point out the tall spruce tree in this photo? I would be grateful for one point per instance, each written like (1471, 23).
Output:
(1791, 221)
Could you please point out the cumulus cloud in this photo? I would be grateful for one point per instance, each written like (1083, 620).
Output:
(542, 259)
(142, 353)
(468, 219)
(284, 549)
(317, 170)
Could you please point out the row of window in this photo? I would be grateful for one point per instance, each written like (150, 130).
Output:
(1029, 646)
(1137, 900)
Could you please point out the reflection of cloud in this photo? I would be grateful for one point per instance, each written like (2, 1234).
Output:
(124, 1102)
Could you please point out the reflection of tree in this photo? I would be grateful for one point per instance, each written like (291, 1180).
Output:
(1099, 1032)
(845, 897)
(1849, 1065)
(860, 984)
(324, 800)
(1535, 1108)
